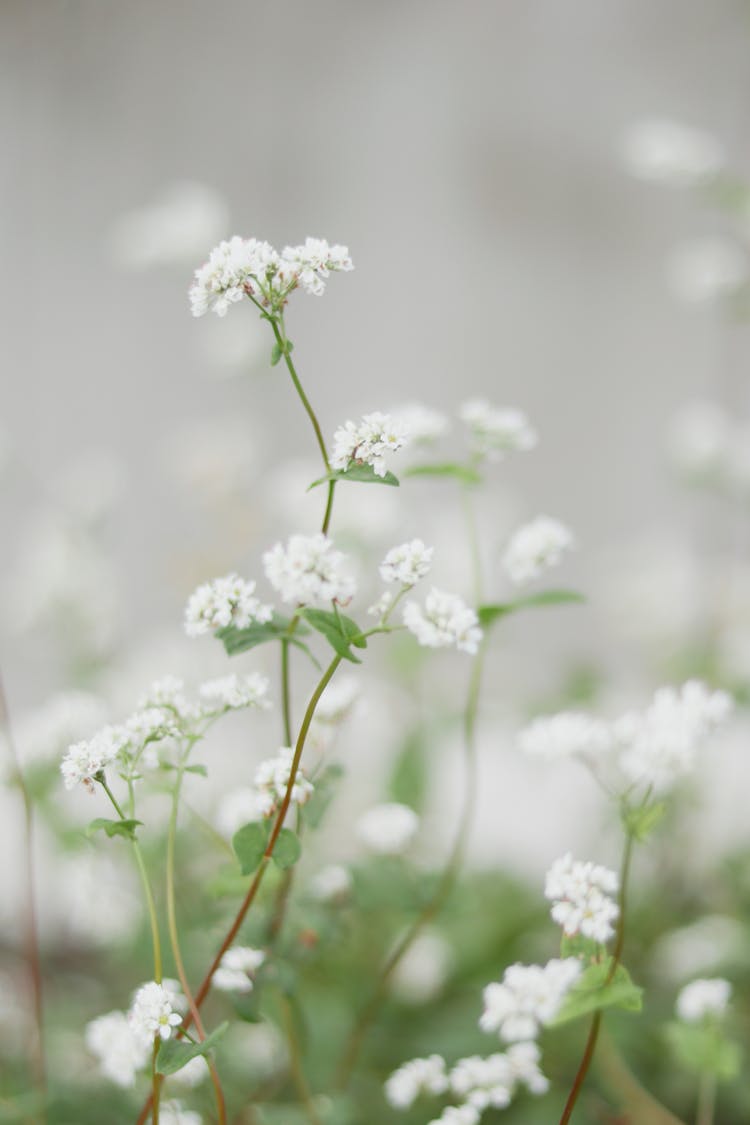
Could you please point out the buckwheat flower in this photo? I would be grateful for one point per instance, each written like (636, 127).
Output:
(308, 572)
(230, 274)
(233, 692)
(523, 1060)
(239, 807)
(307, 265)
(445, 620)
(457, 1115)
(580, 893)
(565, 735)
(388, 829)
(536, 547)
(272, 778)
(528, 997)
(407, 563)
(382, 605)
(699, 440)
(702, 999)
(366, 442)
(84, 760)
(167, 693)
(668, 152)
(659, 746)
(419, 1076)
(332, 884)
(421, 973)
(422, 423)
(222, 602)
(151, 725)
(236, 967)
(192, 1073)
(152, 1014)
(492, 1081)
(120, 1052)
(497, 430)
(707, 270)
(174, 1113)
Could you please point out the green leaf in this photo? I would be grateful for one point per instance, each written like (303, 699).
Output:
(249, 843)
(276, 353)
(488, 614)
(287, 849)
(408, 781)
(463, 473)
(701, 1047)
(340, 631)
(591, 993)
(640, 822)
(201, 770)
(173, 1054)
(361, 474)
(241, 640)
(124, 828)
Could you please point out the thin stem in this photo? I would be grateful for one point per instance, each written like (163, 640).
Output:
(31, 926)
(279, 331)
(706, 1100)
(295, 1062)
(286, 704)
(156, 1081)
(583, 1068)
(148, 893)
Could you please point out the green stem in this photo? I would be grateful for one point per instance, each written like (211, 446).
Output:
(295, 1062)
(706, 1100)
(156, 1080)
(148, 894)
(286, 704)
(279, 331)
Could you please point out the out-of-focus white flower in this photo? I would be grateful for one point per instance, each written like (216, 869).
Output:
(497, 430)
(84, 760)
(62, 720)
(702, 998)
(382, 605)
(536, 547)
(233, 692)
(706, 270)
(308, 571)
(457, 1115)
(698, 440)
(580, 893)
(703, 946)
(120, 1052)
(171, 230)
(331, 884)
(670, 153)
(528, 997)
(338, 700)
(422, 423)
(491, 1082)
(567, 734)
(407, 563)
(418, 1076)
(152, 1014)
(236, 967)
(388, 829)
(445, 620)
(174, 1113)
(239, 807)
(423, 970)
(659, 745)
(224, 601)
(272, 779)
(192, 1073)
(366, 442)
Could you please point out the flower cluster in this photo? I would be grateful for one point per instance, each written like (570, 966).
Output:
(418, 1076)
(528, 997)
(152, 1013)
(670, 153)
(308, 572)
(84, 760)
(224, 601)
(248, 267)
(445, 620)
(388, 829)
(567, 734)
(497, 430)
(236, 967)
(407, 563)
(536, 547)
(271, 781)
(120, 1052)
(366, 442)
(492, 1081)
(704, 999)
(230, 693)
(580, 893)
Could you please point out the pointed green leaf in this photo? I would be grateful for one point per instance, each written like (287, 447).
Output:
(173, 1054)
(276, 353)
(241, 640)
(340, 631)
(124, 828)
(591, 993)
(287, 849)
(201, 770)
(360, 474)
(488, 614)
(463, 473)
(249, 843)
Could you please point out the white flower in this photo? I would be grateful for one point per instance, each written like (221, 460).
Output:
(702, 998)
(174, 1113)
(536, 547)
(192, 1073)
(707, 269)
(567, 734)
(388, 829)
(699, 440)
(423, 970)
(497, 430)
(407, 563)
(272, 779)
(457, 1115)
(151, 1013)
(308, 571)
(419, 1076)
(422, 423)
(528, 998)
(331, 884)
(382, 605)
(668, 152)
(523, 1059)
(492, 1081)
(239, 807)
(233, 692)
(659, 746)
(366, 442)
(235, 967)
(307, 265)
(338, 700)
(580, 893)
(120, 1052)
(445, 620)
(84, 760)
(221, 602)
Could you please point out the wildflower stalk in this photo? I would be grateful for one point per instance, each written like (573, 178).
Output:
(31, 927)
(295, 1062)
(156, 1081)
(706, 1100)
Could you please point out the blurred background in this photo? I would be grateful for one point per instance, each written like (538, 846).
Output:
(546, 206)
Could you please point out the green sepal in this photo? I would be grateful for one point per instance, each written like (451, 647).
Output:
(287, 849)
(173, 1054)
(124, 828)
(361, 474)
(340, 631)
(463, 473)
(592, 992)
(702, 1048)
(488, 614)
(249, 844)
